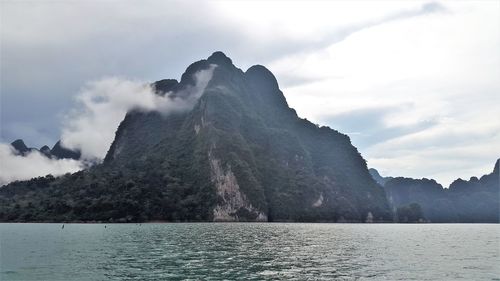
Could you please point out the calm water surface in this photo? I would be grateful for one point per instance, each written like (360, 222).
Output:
(251, 251)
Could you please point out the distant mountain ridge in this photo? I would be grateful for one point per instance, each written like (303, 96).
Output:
(57, 151)
(475, 200)
(377, 177)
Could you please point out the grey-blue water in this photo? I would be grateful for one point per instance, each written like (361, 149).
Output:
(251, 251)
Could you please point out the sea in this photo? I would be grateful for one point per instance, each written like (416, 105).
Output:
(249, 251)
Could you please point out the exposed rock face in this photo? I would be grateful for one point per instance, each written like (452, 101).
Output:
(231, 200)
(369, 218)
(318, 202)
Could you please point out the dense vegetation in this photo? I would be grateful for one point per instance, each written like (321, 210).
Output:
(410, 213)
(476, 200)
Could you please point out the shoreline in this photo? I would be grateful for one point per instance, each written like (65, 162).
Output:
(246, 222)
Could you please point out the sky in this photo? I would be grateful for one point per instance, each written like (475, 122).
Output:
(413, 83)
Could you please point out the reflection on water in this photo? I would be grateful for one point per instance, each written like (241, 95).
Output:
(251, 251)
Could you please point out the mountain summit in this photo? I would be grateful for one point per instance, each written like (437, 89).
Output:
(239, 154)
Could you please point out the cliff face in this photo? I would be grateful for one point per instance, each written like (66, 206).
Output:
(240, 154)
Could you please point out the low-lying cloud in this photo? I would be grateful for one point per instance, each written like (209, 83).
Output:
(34, 164)
(91, 126)
(103, 104)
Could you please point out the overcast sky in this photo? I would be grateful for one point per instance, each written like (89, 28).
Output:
(414, 84)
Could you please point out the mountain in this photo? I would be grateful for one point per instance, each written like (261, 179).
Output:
(60, 152)
(20, 147)
(240, 154)
(57, 151)
(45, 150)
(476, 200)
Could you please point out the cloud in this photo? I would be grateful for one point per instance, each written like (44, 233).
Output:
(416, 97)
(340, 34)
(50, 49)
(14, 167)
(369, 126)
(103, 104)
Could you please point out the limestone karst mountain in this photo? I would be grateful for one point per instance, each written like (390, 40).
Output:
(240, 154)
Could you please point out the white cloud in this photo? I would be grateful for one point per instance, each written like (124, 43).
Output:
(14, 167)
(103, 104)
(439, 69)
(91, 128)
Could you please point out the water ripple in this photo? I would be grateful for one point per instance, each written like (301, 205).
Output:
(250, 251)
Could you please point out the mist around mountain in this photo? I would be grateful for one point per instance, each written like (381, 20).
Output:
(58, 151)
(476, 200)
(20, 162)
(240, 154)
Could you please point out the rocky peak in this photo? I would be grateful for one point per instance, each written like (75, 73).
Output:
(265, 86)
(224, 72)
(61, 152)
(45, 150)
(164, 86)
(262, 78)
(219, 58)
(265, 89)
(187, 77)
(20, 146)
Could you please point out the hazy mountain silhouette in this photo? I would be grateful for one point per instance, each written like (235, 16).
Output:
(57, 151)
(475, 200)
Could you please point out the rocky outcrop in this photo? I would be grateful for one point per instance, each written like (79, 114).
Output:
(232, 203)
(20, 147)
(45, 150)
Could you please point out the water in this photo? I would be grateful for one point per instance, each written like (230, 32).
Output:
(252, 251)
